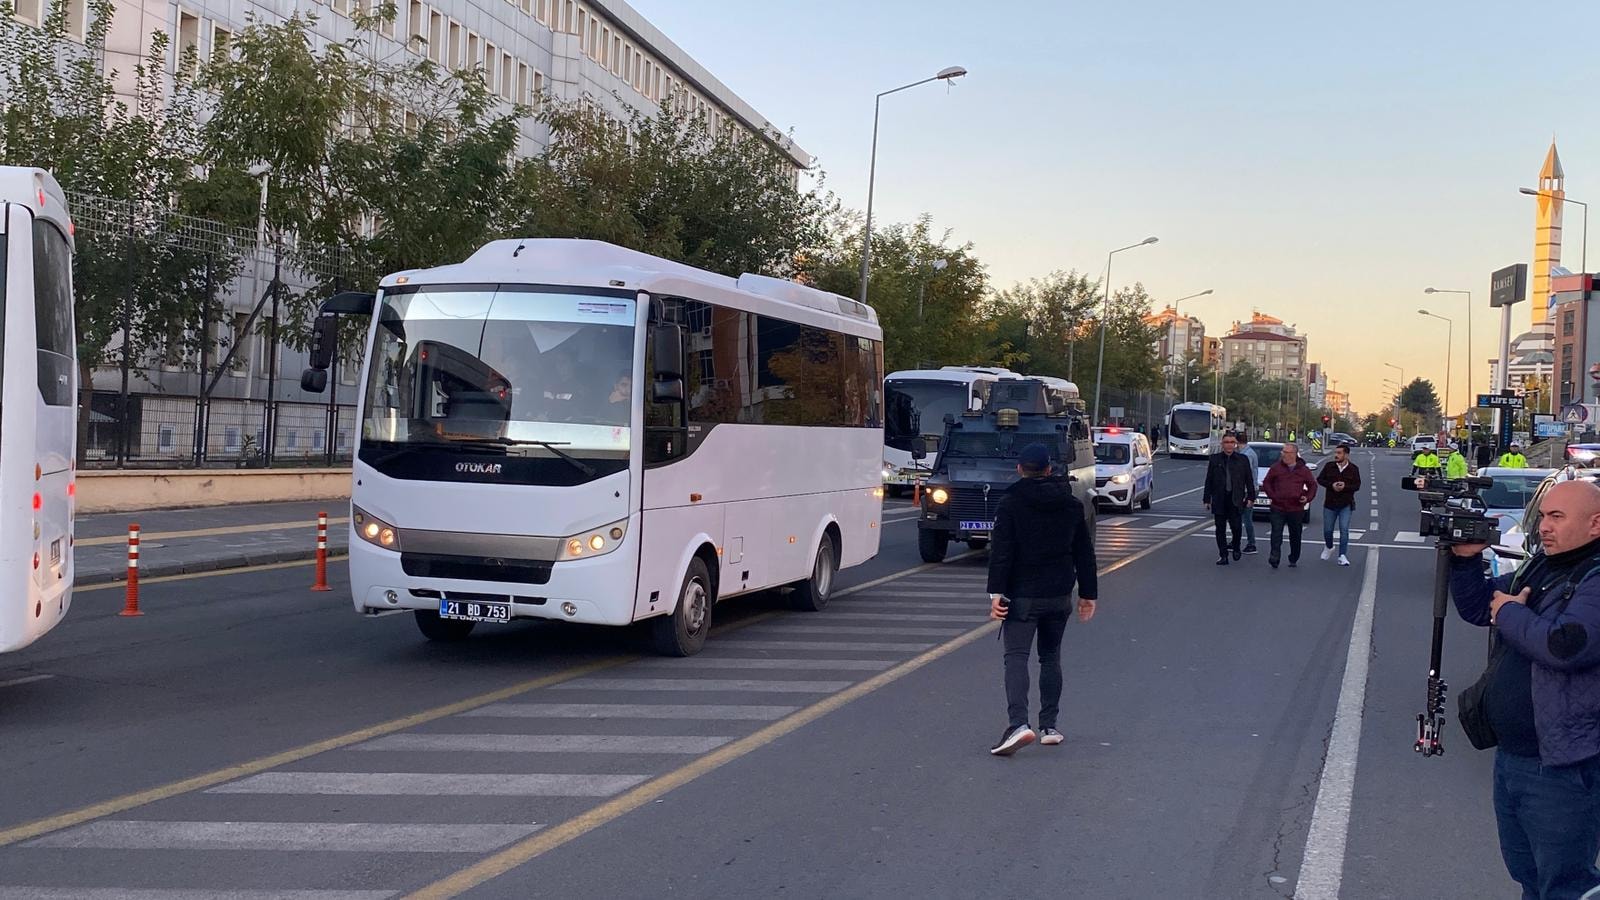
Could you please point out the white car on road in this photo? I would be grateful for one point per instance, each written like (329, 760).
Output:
(1124, 470)
(1424, 441)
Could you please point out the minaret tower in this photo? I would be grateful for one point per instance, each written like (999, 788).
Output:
(1547, 232)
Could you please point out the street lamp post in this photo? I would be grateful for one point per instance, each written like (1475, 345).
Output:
(1172, 342)
(947, 75)
(1105, 319)
(1469, 351)
(1448, 340)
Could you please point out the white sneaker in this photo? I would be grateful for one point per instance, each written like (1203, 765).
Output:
(1327, 554)
(1343, 560)
(1050, 737)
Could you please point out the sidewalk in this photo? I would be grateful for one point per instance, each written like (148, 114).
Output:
(179, 541)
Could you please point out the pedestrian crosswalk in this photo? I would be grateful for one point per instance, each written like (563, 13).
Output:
(434, 797)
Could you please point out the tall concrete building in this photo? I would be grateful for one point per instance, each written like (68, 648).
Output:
(1547, 232)
(1178, 337)
(1268, 344)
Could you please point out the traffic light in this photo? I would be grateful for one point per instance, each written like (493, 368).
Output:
(1393, 423)
(1327, 420)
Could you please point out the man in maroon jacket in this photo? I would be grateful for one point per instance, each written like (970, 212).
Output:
(1289, 486)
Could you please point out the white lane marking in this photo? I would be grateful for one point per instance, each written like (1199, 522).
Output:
(27, 679)
(422, 784)
(899, 617)
(359, 837)
(183, 894)
(929, 595)
(1322, 868)
(1173, 523)
(1408, 537)
(545, 743)
(1177, 495)
(766, 662)
(702, 684)
(710, 712)
(862, 646)
(779, 628)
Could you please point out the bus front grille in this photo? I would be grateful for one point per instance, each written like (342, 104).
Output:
(475, 568)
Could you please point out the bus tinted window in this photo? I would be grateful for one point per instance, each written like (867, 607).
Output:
(52, 311)
(751, 369)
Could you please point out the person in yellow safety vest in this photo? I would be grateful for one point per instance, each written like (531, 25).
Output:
(1455, 465)
(1426, 463)
(1513, 458)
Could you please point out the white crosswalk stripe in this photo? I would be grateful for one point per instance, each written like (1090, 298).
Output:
(545, 743)
(734, 662)
(80, 893)
(980, 611)
(702, 684)
(603, 711)
(858, 646)
(886, 631)
(356, 837)
(430, 784)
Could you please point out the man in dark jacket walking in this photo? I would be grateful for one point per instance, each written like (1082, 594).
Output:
(1040, 546)
(1543, 694)
(1289, 487)
(1340, 479)
(1229, 490)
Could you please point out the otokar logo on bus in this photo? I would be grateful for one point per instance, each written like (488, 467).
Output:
(478, 468)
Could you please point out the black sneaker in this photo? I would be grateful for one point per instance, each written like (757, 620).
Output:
(1237, 555)
(1250, 548)
(1272, 561)
(1222, 560)
(1012, 740)
(1293, 563)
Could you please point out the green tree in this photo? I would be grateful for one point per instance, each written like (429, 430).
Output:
(1041, 325)
(1420, 399)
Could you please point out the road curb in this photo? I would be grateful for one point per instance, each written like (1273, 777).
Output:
(211, 564)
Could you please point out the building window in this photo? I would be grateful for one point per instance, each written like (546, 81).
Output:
(77, 18)
(241, 339)
(1566, 323)
(319, 439)
(291, 439)
(567, 17)
(343, 441)
(506, 70)
(538, 87)
(230, 438)
(583, 31)
(188, 47)
(416, 18)
(454, 53)
(166, 438)
(490, 54)
(342, 7)
(474, 52)
(542, 11)
(221, 42)
(522, 83)
(436, 37)
(30, 11)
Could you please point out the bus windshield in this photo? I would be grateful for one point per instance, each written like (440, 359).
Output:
(1193, 424)
(504, 366)
(919, 407)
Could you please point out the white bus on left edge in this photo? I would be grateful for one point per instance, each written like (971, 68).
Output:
(38, 392)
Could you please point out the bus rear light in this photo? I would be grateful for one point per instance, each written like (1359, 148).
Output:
(38, 501)
(72, 489)
(36, 560)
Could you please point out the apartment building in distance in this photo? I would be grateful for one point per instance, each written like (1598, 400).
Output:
(1267, 344)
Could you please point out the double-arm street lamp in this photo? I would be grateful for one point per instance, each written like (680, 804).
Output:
(1105, 319)
(1172, 342)
(1469, 349)
(946, 75)
(1448, 340)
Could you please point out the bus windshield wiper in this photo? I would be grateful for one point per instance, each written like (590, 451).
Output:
(553, 446)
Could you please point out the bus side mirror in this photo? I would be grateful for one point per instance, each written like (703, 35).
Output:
(324, 338)
(918, 453)
(666, 350)
(314, 381)
(669, 390)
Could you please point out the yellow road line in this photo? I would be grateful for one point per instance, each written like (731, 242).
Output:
(207, 532)
(497, 864)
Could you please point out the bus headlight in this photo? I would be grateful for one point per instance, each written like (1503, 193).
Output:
(1122, 478)
(597, 542)
(374, 530)
(888, 470)
(939, 495)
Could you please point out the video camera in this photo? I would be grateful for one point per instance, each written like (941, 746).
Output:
(1452, 509)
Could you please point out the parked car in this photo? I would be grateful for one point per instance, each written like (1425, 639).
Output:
(1424, 441)
(1124, 469)
(1267, 453)
(1583, 454)
(1340, 439)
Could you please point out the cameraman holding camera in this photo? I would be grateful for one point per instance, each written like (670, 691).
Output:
(1540, 695)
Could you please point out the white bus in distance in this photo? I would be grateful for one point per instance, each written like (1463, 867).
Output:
(915, 402)
(566, 429)
(1195, 429)
(38, 405)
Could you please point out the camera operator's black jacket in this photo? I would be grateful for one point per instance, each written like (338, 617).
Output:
(1244, 480)
(1563, 644)
(1040, 545)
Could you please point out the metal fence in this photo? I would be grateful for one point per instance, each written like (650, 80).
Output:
(231, 396)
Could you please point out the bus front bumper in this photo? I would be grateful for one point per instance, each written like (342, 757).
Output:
(597, 591)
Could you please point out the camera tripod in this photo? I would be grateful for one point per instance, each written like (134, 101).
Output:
(1430, 722)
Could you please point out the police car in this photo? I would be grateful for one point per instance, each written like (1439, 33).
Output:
(1124, 469)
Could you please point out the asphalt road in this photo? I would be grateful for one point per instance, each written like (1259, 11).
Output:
(247, 735)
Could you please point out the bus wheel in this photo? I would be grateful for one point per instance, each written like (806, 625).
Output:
(932, 545)
(683, 633)
(812, 594)
(446, 630)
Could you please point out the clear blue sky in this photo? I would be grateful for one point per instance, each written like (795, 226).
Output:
(1323, 165)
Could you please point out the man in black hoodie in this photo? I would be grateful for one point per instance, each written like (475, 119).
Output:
(1039, 548)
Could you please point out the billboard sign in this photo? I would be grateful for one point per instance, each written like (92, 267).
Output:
(1509, 285)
